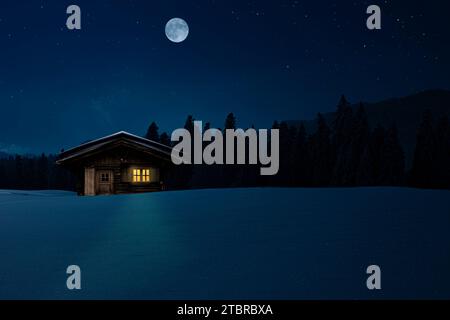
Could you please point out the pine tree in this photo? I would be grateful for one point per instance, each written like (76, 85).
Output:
(368, 172)
(392, 160)
(342, 123)
(189, 124)
(321, 153)
(290, 156)
(342, 127)
(422, 172)
(165, 139)
(183, 173)
(230, 121)
(275, 125)
(300, 165)
(42, 171)
(287, 134)
(360, 133)
(359, 140)
(442, 163)
(19, 175)
(152, 132)
(229, 172)
(3, 176)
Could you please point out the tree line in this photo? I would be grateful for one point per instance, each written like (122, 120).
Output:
(31, 172)
(342, 152)
(346, 152)
(431, 165)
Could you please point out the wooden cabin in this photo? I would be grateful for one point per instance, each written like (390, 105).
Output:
(118, 163)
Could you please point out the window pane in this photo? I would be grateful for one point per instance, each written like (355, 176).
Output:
(141, 175)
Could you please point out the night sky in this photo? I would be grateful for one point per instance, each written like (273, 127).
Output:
(262, 60)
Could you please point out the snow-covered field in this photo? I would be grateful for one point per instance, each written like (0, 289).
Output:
(226, 244)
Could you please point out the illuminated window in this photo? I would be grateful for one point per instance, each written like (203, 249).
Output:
(136, 175)
(146, 175)
(141, 175)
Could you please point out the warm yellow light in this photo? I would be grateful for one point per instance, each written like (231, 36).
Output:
(146, 175)
(141, 175)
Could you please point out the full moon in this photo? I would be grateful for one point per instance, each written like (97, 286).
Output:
(177, 30)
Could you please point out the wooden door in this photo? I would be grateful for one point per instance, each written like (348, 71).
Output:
(89, 181)
(104, 182)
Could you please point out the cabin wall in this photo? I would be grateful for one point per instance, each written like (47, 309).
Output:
(120, 163)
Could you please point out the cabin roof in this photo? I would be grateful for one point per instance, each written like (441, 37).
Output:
(132, 140)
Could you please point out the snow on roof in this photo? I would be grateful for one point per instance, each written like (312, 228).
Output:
(97, 143)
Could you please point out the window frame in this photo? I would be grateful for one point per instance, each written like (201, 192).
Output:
(105, 178)
(140, 175)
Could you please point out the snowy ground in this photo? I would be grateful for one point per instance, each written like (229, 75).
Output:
(226, 244)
